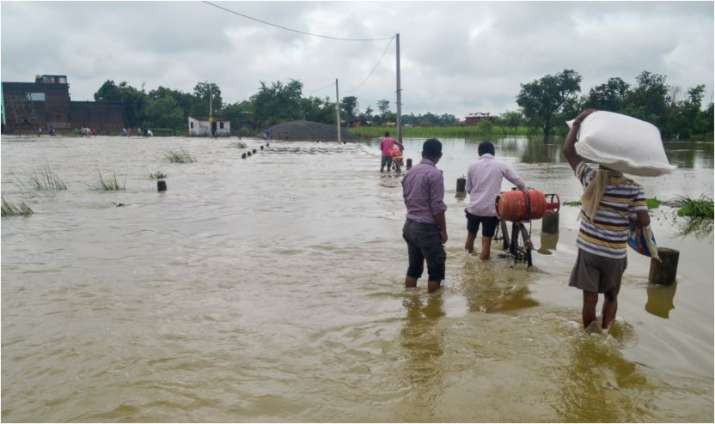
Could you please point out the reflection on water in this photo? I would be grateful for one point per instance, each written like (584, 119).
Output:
(660, 299)
(535, 150)
(421, 341)
(599, 383)
(690, 154)
(493, 286)
(548, 243)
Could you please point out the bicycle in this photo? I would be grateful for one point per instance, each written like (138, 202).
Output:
(397, 164)
(518, 244)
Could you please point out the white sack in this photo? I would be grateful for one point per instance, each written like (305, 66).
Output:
(622, 143)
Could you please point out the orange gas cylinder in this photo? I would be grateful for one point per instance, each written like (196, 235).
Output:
(517, 205)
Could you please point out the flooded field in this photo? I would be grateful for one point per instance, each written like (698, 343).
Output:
(271, 289)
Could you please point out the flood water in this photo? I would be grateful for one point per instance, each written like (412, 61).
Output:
(271, 289)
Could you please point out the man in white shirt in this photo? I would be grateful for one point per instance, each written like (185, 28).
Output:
(484, 179)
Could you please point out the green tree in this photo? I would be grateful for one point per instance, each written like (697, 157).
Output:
(240, 115)
(511, 119)
(206, 93)
(278, 102)
(164, 112)
(133, 101)
(318, 110)
(610, 96)
(383, 106)
(348, 107)
(543, 99)
(649, 100)
(185, 101)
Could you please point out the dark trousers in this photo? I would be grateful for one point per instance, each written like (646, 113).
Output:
(386, 161)
(424, 244)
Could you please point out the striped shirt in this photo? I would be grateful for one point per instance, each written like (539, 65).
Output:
(606, 234)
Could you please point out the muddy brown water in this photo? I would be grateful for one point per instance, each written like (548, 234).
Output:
(270, 289)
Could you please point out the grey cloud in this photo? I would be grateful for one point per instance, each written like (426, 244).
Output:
(457, 57)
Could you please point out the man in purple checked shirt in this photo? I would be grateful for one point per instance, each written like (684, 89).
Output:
(425, 229)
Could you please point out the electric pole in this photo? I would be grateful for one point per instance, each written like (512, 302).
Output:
(211, 105)
(399, 91)
(337, 110)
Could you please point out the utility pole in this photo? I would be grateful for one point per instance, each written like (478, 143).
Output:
(211, 104)
(337, 110)
(399, 91)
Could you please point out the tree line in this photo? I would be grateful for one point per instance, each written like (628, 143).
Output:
(544, 105)
(169, 109)
(552, 99)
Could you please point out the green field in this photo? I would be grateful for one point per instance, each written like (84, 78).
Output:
(447, 132)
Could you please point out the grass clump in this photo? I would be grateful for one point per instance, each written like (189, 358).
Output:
(10, 209)
(109, 183)
(46, 180)
(158, 175)
(652, 203)
(696, 208)
(179, 156)
(239, 145)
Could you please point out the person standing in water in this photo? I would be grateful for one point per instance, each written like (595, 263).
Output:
(386, 150)
(425, 229)
(484, 178)
(609, 203)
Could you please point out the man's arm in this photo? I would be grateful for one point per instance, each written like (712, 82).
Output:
(468, 186)
(569, 145)
(510, 175)
(640, 208)
(442, 224)
(436, 192)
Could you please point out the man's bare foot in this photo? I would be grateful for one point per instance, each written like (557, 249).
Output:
(410, 282)
(433, 286)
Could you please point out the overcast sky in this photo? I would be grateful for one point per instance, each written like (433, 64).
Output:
(456, 57)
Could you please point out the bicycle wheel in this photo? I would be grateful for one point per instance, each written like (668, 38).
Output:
(527, 246)
(502, 234)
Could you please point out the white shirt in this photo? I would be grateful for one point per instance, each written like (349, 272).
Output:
(484, 179)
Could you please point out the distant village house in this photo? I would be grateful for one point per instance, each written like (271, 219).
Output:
(205, 127)
(45, 105)
(475, 118)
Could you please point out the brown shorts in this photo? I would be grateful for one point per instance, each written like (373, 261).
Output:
(597, 274)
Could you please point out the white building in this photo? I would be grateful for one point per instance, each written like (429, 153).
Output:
(204, 128)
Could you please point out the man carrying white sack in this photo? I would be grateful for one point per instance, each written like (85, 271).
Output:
(608, 202)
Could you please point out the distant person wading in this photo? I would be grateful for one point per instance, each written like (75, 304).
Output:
(386, 149)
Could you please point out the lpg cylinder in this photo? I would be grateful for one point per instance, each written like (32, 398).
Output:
(518, 205)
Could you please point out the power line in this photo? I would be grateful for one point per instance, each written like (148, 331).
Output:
(330, 84)
(329, 37)
(359, 86)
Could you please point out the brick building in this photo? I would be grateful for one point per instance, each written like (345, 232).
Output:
(475, 118)
(46, 104)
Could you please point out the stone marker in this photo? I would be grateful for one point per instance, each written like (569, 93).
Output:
(409, 163)
(461, 185)
(550, 223)
(161, 185)
(665, 270)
